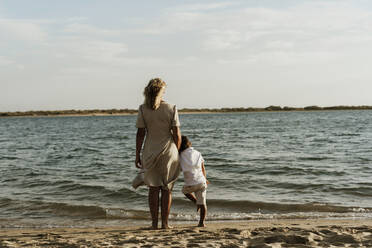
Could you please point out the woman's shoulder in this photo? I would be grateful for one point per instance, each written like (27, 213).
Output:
(167, 105)
(164, 103)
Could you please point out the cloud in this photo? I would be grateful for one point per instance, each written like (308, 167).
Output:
(306, 26)
(284, 58)
(223, 40)
(85, 29)
(103, 51)
(172, 23)
(76, 19)
(297, 44)
(82, 49)
(201, 6)
(24, 30)
(5, 61)
(81, 54)
(279, 44)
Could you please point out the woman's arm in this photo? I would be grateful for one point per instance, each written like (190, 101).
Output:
(141, 132)
(176, 133)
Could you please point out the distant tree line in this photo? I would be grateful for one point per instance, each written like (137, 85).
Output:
(93, 112)
(276, 108)
(70, 112)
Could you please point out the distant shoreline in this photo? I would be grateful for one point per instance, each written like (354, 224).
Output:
(120, 112)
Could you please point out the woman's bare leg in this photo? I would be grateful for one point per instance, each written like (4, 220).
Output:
(154, 205)
(166, 202)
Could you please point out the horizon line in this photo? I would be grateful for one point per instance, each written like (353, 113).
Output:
(115, 111)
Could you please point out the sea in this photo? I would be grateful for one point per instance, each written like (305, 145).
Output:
(77, 171)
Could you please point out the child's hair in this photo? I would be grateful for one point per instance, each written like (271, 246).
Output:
(185, 143)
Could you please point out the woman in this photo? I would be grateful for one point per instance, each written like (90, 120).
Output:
(158, 121)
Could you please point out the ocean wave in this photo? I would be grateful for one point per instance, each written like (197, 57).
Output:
(217, 210)
(36, 173)
(268, 207)
(4, 157)
(86, 149)
(5, 202)
(212, 160)
(45, 209)
(84, 162)
(361, 191)
(253, 210)
(34, 183)
(111, 137)
(73, 190)
(320, 158)
(73, 210)
(346, 134)
(93, 212)
(364, 159)
(228, 216)
(92, 190)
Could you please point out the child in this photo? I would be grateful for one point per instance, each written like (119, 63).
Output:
(192, 165)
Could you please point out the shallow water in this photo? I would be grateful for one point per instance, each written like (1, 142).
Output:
(78, 170)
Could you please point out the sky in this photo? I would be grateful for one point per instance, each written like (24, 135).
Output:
(96, 54)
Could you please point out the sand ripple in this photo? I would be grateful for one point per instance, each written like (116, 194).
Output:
(274, 234)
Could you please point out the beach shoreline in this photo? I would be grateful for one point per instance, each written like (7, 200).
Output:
(258, 233)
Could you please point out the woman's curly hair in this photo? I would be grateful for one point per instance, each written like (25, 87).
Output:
(151, 93)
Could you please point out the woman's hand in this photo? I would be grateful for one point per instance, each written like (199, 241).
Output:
(207, 182)
(138, 162)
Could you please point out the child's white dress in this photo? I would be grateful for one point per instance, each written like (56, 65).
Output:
(191, 164)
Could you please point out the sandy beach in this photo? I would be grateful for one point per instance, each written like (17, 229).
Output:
(267, 233)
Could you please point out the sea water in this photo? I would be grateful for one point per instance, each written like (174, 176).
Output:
(77, 171)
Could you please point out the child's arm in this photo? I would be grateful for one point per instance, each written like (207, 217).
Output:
(204, 173)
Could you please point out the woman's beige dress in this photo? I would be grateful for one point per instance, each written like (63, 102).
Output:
(160, 154)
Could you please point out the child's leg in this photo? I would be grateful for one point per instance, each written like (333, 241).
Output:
(203, 213)
(201, 196)
(191, 197)
(187, 191)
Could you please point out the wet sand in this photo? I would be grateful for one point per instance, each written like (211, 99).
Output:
(267, 233)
